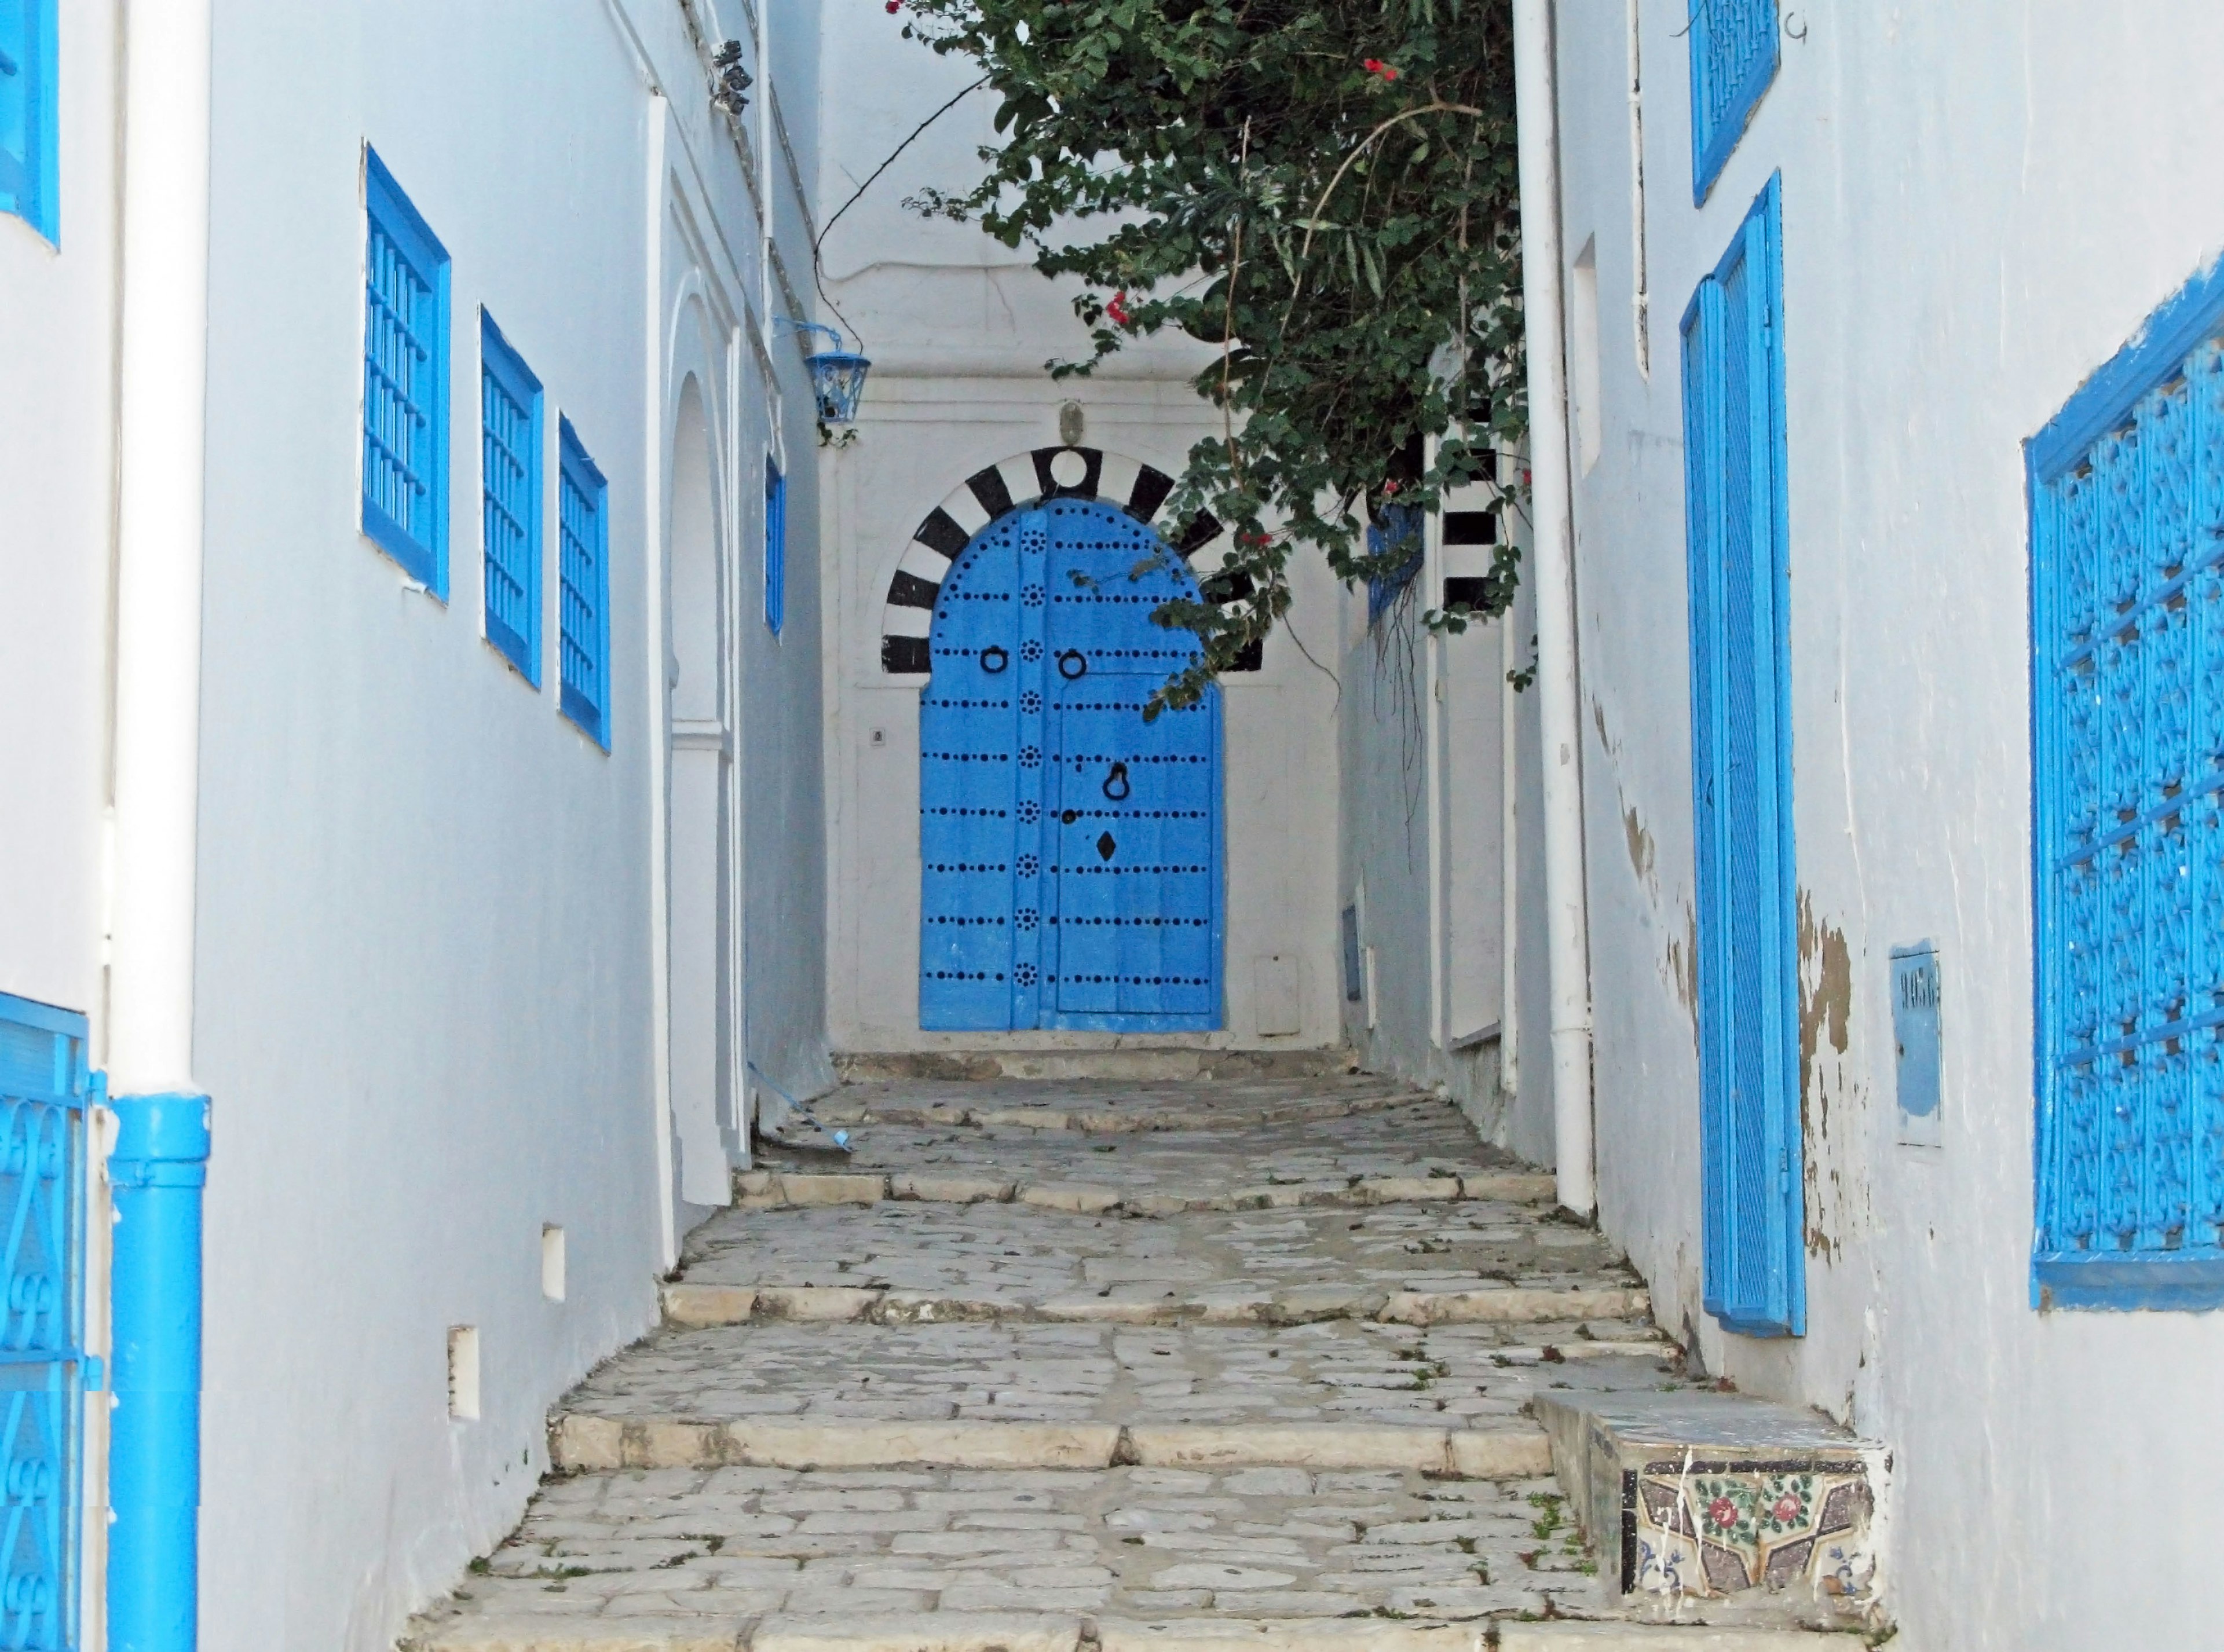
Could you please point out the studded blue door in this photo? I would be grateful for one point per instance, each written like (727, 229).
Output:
(1069, 848)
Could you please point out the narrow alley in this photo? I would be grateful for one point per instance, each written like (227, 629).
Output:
(1265, 1360)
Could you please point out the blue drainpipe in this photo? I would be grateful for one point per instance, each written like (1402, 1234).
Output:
(156, 1174)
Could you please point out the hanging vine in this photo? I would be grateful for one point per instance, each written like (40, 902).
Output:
(1325, 189)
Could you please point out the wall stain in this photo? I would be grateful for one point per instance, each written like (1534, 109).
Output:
(1640, 845)
(1826, 1004)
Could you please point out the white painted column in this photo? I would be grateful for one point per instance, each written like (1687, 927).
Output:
(162, 429)
(1568, 950)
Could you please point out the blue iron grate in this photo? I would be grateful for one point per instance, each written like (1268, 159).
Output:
(509, 465)
(29, 178)
(2127, 697)
(584, 576)
(1733, 57)
(44, 1088)
(405, 372)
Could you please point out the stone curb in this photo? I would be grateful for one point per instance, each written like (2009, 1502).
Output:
(802, 1190)
(578, 1442)
(1657, 1637)
(697, 1306)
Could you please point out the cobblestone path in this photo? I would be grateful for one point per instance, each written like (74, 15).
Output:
(1094, 1367)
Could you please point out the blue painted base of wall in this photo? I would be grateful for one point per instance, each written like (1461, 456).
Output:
(2173, 1280)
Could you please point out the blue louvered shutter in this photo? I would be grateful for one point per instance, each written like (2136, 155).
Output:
(584, 576)
(29, 159)
(1735, 52)
(405, 390)
(775, 549)
(1735, 527)
(509, 472)
(2126, 494)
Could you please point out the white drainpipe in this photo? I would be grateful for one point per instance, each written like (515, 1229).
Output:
(1568, 948)
(161, 439)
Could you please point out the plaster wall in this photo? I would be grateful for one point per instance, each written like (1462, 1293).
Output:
(57, 316)
(959, 328)
(431, 1005)
(1981, 202)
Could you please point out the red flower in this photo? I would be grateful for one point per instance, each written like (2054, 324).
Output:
(894, 6)
(1722, 1512)
(1787, 1510)
(1118, 309)
(1389, 489)
(1376, 65)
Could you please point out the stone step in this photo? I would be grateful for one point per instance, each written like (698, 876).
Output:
(948, 1560)
(796, 1189)
(577, 1443)
(1125, 1063)
(1009, 1632)
(1109, 1109)
(1764, 1511)
(698, 1305)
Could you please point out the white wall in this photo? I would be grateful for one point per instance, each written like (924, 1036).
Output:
(1980, 204)
(958, 327)
(57, 311)
(430, 908)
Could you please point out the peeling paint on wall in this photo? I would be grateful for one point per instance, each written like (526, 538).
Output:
(1640, 845)
(1833, 1188)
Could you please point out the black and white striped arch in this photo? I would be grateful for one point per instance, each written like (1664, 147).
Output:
(1023, 479)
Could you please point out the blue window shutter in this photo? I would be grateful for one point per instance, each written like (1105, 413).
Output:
(583, 576)
(30, 158)
(1733, 57)
(1737, 531)
(775, 548)
(405, 382)
(509, 488)
(2127, 513)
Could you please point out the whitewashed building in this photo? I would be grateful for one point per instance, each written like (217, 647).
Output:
(1889, 347)
(414, 735)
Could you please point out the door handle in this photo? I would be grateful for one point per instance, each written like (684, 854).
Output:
(1117, 775)
(1002, 659)
(1072, 664)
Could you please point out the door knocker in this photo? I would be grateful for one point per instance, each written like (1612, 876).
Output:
(1117, 777)
(1002, 659)
(1071, 664)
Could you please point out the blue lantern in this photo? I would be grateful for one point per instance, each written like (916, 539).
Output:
(837, 375)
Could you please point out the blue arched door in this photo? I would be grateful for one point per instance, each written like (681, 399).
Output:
(1070, 849)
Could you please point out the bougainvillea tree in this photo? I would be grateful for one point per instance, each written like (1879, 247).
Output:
(1324, 189)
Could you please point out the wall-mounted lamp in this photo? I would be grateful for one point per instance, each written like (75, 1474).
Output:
(837, 375)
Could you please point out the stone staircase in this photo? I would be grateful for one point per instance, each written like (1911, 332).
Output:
(1098, 1365)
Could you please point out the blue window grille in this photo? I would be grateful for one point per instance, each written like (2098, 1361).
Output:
(776, 555)
(29, 179)
(405, 382)
(1395, 527)
(1733, 56)
(2126, 503)
(44, 1090)
(1736, 528)
(584, 576)
(509, 464)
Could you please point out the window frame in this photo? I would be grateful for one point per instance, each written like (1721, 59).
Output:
(1714, 138)
(576, 468)
(2166, 349)
(38, 70)
(775, 547)
(388, 211)
(502, 370)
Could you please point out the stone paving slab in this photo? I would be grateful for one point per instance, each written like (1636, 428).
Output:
(1106, 1107)
(1336, 1370)
(893, 1262)
(1415, 1139)
(1139, 1546)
